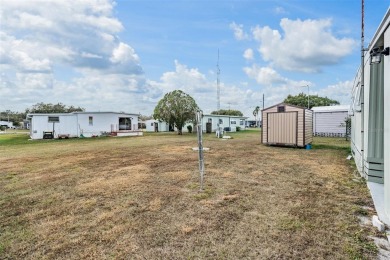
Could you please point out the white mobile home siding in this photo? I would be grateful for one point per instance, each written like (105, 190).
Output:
(329, 121)
(224, 121)
(151, 124)
(67, 125)
(79, 123)
(386, 122)
(104, 122)
(370, 141)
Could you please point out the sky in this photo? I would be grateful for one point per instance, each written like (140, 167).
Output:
(123, 56)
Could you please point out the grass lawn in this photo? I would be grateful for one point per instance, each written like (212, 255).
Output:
(139, 198)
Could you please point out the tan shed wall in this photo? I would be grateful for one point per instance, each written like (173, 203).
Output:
(304, 126)
(286, 134)
(308, 126)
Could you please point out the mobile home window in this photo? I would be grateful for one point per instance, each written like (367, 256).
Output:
(241, 122)
(54, 119)
(124, 123)
(281, 109)
(357, 98)
(220, 121)
(233, 122)
(90, 120)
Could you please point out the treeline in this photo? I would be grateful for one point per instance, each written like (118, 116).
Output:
(17, 117)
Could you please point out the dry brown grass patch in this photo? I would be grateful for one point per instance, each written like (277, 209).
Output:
(139, 198)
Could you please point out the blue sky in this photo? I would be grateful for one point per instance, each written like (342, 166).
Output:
(125, 55)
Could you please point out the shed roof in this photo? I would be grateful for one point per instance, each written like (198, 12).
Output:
(284, 104)
(341, 108)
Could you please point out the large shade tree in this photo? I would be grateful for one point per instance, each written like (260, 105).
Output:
(176, 108)
(315, 101)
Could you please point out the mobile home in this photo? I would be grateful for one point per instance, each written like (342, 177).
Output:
(211, 123)
(370, 118)
(330, 120)
(153, 125)
(82, 124)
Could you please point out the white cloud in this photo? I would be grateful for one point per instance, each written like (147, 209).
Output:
(62, 32)
(280, 10)
(124, 53)
(248, 54)
(238, 30)
(275, 86)
(304, 46)
(341, 91)
(204, 90)
(44, 41)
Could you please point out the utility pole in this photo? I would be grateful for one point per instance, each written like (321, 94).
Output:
(218, 87)
(263, 101)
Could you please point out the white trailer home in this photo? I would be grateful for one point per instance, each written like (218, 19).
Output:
(153, 125)
(7, 124)
(226, 122)
(370, 118)
(330, 120)
(82, 124)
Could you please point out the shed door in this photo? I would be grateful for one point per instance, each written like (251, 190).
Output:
(282, 128)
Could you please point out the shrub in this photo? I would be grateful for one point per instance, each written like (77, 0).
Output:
(238, 128)
(189, 127)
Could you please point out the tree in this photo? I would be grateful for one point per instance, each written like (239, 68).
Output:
(53, 108)
(256, 113)
(315, 101)
(227, 112)
(176, 108)
(144, 117)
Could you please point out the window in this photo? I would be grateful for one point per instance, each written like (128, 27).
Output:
(124, 123)
(151, 124)
(357, 98)
(281, 109)
(233, 122)
(220, 121)
(90, 120)
(54, 119)
(241, 122)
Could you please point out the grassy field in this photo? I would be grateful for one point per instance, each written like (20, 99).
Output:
(139, 198)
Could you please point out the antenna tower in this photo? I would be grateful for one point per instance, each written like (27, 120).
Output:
(218, 87)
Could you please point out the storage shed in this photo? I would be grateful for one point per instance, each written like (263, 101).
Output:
(287, 125)
(330, 120)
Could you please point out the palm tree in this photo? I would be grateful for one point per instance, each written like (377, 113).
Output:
(256, 113)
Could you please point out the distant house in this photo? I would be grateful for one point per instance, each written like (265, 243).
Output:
(210, 124)
(370, 118)
(82, 124)
(153, 125)
(287, 125)
(7, 124)
(330, 120)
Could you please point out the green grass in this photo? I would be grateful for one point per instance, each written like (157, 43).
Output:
(13, 139)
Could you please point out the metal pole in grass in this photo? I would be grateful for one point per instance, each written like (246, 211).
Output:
(199, 116)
